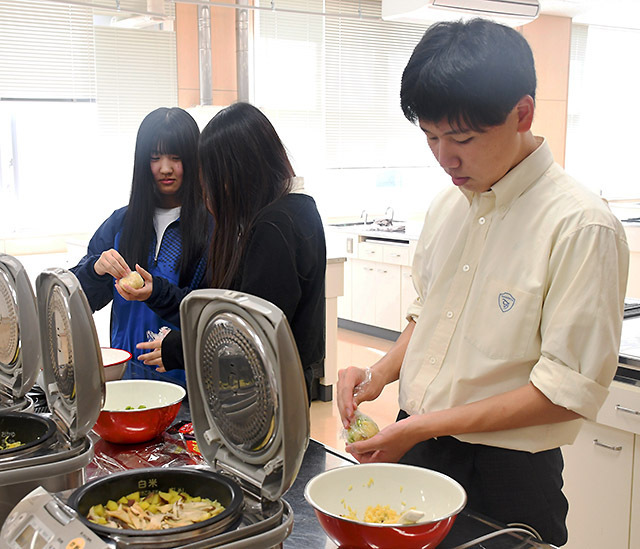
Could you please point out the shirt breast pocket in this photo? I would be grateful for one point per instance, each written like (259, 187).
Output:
(504, 320)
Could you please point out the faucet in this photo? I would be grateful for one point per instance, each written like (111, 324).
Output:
(364, 215)
(386, 214)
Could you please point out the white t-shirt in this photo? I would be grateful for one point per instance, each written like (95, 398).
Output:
(162, 218)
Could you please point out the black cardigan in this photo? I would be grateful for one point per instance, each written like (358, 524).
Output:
(284, 263)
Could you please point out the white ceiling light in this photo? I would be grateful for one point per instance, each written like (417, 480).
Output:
(509, 12)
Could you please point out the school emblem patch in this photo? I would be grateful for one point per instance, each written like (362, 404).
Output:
(506, 301)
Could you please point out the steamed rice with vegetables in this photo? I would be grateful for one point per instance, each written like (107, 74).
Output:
(156, 511)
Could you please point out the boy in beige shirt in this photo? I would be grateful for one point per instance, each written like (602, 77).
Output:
(520, 274)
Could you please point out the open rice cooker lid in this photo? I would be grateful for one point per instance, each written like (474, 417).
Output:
(71, 357)
(20, 351)
(247, 392)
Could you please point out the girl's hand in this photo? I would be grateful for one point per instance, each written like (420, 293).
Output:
(154, 356)
(142, 294)
(111, 262)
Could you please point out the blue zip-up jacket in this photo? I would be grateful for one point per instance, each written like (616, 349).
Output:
(131, 320)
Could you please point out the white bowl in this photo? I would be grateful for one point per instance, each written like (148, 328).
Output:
(123, 421)
(141, 392)
(336, 493)
(115, 362)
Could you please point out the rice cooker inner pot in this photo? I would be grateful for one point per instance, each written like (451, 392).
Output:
(196, 482)
(34, 432)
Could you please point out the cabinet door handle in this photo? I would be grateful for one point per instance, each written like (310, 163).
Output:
(627, 410)
(607, 446)
(349, 245)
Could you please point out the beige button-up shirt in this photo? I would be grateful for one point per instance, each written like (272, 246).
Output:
(524, 282)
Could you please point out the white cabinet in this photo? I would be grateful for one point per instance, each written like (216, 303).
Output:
(375, 294)
(602, 475)
(386, 296)
(343, 244)
(634, 534)
(363, 289)
(407, 294)
(377, 278)
(598, 479)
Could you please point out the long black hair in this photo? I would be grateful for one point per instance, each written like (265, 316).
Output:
(471, 74)
(244, 167)
(165, 131)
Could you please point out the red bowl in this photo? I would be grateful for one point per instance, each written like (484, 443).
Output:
(161, 401)
(115, 362)
(344, 490)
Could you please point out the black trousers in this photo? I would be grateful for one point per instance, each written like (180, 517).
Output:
(510, 486)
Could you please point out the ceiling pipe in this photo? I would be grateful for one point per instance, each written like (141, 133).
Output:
(204, 54)
(275, 9)
(242, 51)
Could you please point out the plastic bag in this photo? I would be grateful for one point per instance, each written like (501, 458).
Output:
(361, 428)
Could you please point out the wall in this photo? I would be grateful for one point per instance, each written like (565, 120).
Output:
(550, 40)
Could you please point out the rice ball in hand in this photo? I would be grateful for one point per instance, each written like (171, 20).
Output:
(362, 428)
(131, 281)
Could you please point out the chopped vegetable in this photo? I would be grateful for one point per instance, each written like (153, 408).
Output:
(155, 511)
(6, 445)
(362, 428)
(142, 406)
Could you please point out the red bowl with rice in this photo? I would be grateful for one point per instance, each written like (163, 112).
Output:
(341, 497)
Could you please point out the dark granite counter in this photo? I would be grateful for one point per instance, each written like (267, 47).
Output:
(173, 450)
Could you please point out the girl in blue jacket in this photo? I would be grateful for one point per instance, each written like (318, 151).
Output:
(163, 232)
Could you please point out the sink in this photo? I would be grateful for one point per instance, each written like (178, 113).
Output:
(387, 228)
(350, 224)
(381, 225)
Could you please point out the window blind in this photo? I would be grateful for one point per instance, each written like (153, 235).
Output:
(332, 84)
(365, 126)
(76, 80)
(46, 51)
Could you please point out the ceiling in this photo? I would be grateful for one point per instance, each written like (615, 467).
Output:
(618, 13)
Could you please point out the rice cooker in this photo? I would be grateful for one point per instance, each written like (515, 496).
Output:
(52, 450)
(20, 351)
(250, 415)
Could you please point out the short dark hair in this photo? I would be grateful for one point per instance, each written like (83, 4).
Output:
(471, 74)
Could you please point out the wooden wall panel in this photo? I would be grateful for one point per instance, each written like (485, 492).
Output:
(187, 53)
(550, 40)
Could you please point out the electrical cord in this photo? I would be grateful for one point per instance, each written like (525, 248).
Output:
(491, 535)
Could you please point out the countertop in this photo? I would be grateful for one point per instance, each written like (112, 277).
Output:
(629, 356)
(410, 230)
(307, 532)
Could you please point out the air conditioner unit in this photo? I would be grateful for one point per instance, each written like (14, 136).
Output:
(509, 12)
